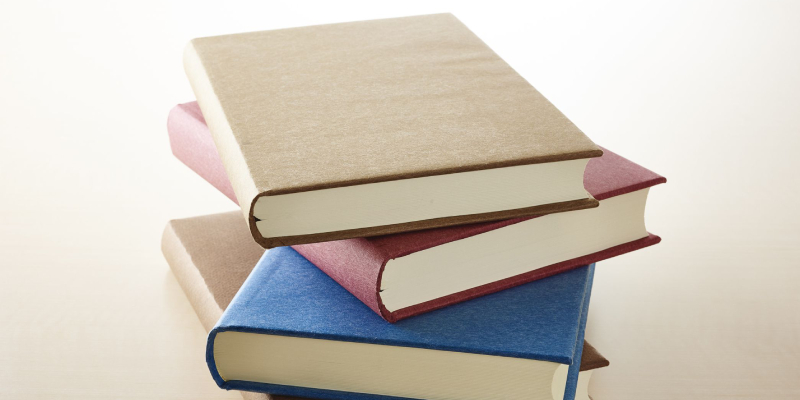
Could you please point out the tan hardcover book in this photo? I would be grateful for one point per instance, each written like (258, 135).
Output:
(369, 128)
(211, 256)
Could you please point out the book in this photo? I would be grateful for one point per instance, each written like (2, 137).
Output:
(211, 256)
(407, 274)
(376, 127)
(291, 330)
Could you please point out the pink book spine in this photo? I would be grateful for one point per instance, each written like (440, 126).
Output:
(355, 264)
(192, 143)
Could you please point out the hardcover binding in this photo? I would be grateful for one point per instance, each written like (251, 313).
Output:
(199, 249)
(192, 143)
(358, 263)
(452, 77)
(286, 295)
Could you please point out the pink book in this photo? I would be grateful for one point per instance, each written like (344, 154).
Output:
(406, 274)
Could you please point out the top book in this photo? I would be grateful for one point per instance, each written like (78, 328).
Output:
(370, 128)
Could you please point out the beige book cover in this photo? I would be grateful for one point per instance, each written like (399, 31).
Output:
(211, 256)
(347, 111)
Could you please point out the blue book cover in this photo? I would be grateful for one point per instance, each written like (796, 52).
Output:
(286, 296)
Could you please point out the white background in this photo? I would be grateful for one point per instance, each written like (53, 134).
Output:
(705, 93)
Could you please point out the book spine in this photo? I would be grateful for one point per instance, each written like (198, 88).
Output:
(227, 145)
(192, 144)
(574, 370)
(189, 278)
(196, 290)
(353, 263)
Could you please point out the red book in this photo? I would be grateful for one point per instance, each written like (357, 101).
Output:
(406, 274)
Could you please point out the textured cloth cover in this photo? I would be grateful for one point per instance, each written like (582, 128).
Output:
(357, 264)
(326, 106)
(211, 256)
(286, 295)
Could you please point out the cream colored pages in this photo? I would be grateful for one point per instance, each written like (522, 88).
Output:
(502, 253)
(384, 370)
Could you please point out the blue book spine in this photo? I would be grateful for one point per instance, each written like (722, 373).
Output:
(575, 367)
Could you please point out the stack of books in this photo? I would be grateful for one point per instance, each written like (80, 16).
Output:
(432, 221)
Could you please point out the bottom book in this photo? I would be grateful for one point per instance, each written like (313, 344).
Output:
(212, 256)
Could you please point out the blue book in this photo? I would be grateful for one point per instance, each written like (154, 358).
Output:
(292, 330)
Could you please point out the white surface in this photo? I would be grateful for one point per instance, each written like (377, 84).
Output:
(704, 93)
(516, 249)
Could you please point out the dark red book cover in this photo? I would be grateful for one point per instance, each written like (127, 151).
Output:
(358, 264)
